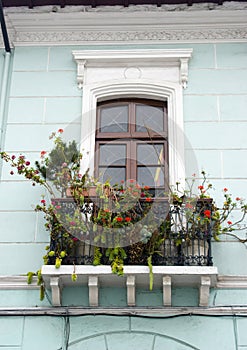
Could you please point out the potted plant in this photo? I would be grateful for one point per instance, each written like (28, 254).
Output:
(124, 224)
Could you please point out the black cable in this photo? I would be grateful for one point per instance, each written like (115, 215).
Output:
(66, 314)
(4, 29)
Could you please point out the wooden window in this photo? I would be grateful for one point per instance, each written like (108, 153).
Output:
(132, 142)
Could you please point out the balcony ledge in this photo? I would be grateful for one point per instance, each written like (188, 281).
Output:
(134, 277)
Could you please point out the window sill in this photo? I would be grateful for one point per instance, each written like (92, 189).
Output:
(164, 277)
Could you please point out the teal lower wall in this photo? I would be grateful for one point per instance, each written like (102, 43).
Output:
(123, 333)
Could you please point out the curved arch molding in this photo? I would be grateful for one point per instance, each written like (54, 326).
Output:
(130, 340)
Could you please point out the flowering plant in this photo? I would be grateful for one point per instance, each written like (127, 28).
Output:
(202, 210)
(123, 222)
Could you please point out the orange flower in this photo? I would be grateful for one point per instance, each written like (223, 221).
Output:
(189, 206)
(146, 187)
(148, 199)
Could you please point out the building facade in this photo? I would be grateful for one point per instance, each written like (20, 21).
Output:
(64, 63)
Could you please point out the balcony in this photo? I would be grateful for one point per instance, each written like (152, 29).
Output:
(177, 252)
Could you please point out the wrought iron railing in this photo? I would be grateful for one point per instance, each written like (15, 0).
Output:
(181, 233)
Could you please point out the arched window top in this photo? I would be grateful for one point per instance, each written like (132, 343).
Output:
(157, 75)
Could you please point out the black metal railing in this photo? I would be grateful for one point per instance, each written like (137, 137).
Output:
(181, 233)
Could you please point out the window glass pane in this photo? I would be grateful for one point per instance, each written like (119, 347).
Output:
(112, 154)
(150, 154)
(114, 119)
(149, 117)
(150, 176)
(113, 175)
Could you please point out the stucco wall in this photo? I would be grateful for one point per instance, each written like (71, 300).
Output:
(101, 332)
(43, 97)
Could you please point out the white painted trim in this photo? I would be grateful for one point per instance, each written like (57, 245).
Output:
(232, 282)
(136, 24)
(223, 281)
(109, 65)
(164, 277)
(17, 282)
(146, 89)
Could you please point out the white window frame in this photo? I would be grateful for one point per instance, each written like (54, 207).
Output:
(148, 74)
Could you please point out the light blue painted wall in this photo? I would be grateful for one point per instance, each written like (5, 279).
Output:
(110, 333)
(44, 97)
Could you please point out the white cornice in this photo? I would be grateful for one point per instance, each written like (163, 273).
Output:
(45, 27)
(20, 282)
(140, 58)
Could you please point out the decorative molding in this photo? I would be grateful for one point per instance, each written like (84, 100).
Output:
(155, 88)
(17, 282)
(134, 276)
(162, 36)
(80, 72)
(232, 282)
(20, 282)
(93, 284)
(122, 58)
(164, 73)
(167, 291)
(131, 290)
(204, 290)
(55, 285)
(43, 26)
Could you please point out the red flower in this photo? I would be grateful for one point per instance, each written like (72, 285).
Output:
(207, 213)
(238, 199)
(75, 239)
(72, 223)
(148, 199)
(11, 173)
(42, 201)
(122, 181)
(229, 222)
(42, 154)
(119, 219)
(132, 181)
(128, 219)
(200, 187)
(225, 189)
(60, 131)
(106, 210)
(27, 162)
(13, 157)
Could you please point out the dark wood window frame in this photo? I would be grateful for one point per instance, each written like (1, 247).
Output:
(132, 138)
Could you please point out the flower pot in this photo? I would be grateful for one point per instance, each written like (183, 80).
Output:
(196, 251)
(89, 192)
